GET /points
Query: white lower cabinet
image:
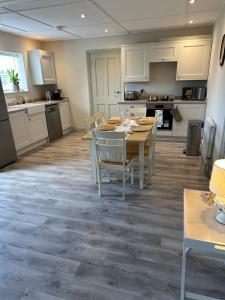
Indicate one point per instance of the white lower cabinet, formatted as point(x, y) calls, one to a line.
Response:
point(28, 130)
point(188, 112)
point(20, 129)
point(126, 106)
point(38, 127)
point(65, 116)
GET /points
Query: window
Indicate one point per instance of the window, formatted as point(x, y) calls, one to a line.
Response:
point(14, 61)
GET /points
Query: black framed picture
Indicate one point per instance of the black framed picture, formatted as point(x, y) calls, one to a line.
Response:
point(222, 51)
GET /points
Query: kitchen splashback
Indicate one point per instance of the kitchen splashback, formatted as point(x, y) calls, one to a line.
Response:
point(163, 81)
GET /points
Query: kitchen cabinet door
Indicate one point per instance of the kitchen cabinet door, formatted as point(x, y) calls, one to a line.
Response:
point(135, 63)
point(164, 52)
point(188, 112)
point(48, 67)
point(65, 115)
point(37, 127)
point(123, 108)
point(194, 60)
point(42, 67)
point(20, 129)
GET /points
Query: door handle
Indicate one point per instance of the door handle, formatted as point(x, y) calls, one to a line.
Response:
point(117, 92)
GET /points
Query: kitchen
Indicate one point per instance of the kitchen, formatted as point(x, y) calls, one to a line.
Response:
point(81, 61)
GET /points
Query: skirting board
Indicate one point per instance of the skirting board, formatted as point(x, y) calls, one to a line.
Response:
point(194, 296)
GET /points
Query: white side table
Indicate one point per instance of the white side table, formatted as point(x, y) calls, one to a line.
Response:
point(201, 231)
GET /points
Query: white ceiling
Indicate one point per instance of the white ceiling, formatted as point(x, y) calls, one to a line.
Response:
point(39, 18)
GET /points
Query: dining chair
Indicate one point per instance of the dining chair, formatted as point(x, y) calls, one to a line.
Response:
point(137, 111)
point(150, 157)
point(149, 150)
point(99, 118)
point(90, 123)
point(110, 153)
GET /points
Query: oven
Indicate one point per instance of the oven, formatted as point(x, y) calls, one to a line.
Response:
point(163, 111)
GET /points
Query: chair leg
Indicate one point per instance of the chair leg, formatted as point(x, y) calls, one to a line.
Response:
point(149, 166)
point(153, 162)
point(99, 182)
point(124, 182)
point(132, 174)
point(109, 175)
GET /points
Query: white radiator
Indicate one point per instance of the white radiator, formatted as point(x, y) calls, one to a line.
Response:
point(207, 144)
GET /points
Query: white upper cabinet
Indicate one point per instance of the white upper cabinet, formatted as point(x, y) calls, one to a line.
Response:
point(193, 60)
point(42, 66)
point(164, 52)
point(135, 63)
point(192, 57)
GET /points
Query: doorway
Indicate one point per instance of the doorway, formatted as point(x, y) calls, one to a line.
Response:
point(105, 81)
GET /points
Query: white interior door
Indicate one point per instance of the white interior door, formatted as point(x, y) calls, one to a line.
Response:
point(105, 82)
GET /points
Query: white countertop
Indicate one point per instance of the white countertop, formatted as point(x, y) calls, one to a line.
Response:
point(35, 104)
point(176, 101)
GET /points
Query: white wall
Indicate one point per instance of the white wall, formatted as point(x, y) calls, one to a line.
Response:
point(216, 84)
point(18, 44)
point(71, 63)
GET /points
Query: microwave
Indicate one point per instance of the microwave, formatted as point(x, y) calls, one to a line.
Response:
point(130, 95)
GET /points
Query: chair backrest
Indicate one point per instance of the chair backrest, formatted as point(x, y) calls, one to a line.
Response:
point(152, 137)
point(99, 118)
point(110, 146)
point(90, 123)
point(139, 111)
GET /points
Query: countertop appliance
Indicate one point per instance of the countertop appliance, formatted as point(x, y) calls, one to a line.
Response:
point(194, 93)
point(53, 122)
point(163, 111)
point(200, 93)
point(7, 145)
point(56, 94)
point(130, 95)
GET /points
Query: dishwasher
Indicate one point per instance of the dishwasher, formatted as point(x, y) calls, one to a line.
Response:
point(53, 122)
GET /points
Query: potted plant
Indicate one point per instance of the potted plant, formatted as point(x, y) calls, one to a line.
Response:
point(14, 79)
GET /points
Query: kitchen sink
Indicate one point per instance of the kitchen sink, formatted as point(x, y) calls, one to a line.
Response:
point(32, 108)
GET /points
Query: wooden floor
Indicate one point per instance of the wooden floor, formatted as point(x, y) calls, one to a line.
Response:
point(59, 240)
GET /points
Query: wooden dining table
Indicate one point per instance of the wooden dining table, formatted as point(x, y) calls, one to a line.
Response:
point(139, 138)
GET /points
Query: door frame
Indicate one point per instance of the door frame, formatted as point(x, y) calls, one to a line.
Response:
point(88, 53)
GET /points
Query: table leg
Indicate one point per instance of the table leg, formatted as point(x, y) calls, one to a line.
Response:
point(93, 161)
point(183, 275)
point(141, 164)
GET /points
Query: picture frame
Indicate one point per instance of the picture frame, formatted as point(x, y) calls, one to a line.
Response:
point(222, 51)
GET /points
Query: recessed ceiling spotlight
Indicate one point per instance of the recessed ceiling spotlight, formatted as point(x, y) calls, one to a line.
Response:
point(191, 22)
point(192, 1)
point(59, 27)
point(82, 16)
point(106, 30)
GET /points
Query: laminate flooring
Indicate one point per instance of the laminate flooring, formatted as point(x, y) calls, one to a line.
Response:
point(59, 240)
